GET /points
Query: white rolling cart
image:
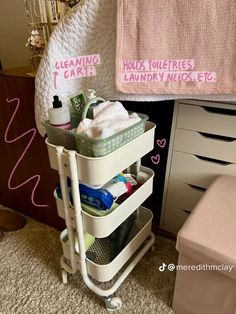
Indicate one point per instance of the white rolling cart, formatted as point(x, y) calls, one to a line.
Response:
point(98, 171)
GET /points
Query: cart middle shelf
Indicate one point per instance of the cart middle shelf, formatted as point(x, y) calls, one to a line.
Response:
point(101, 227)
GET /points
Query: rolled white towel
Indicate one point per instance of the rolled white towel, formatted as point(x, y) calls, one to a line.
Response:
point(84, 125)
point(109, 118)
point(134, 115)
point(92, 132)
point(97, 132)
point(110, 111)
point(123, 124)
point(102, 124)
point(105, 132)
point(100, 107)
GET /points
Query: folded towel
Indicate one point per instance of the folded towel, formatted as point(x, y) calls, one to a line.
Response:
point(176, 47)
point(109, 118)
point(120, 125)
point(99, 132)
point(109, 111)
point(84, 125)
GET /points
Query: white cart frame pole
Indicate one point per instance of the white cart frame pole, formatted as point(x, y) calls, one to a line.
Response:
point(79, 228)
point(66, 204)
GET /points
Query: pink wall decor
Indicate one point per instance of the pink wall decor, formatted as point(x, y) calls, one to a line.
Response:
point(81, 66)
point(161, 143)
point(35, 178)
point(164, 71)
point(156, 159)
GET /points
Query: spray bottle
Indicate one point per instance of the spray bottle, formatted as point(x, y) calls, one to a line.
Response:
point(59, 116)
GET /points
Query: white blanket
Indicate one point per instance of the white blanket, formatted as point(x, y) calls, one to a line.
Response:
point(90, 28)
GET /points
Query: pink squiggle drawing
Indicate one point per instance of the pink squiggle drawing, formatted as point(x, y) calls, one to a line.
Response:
point(35, 177)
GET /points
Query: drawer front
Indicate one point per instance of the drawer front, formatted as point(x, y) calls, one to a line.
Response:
point(173, 219)
point(200, 119)
point(193, 170)
point(205, 145)
point(183, 195)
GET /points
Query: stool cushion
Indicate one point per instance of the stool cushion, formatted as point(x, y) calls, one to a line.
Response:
point(209, 234)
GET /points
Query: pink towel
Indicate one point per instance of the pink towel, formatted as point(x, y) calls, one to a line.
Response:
point(176, 46)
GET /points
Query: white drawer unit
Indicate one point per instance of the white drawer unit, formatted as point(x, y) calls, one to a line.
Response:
point(206, 145)
point(173, 218)
point(202, 147)
point(217, 119)
point(183, 195)
point(198, 170)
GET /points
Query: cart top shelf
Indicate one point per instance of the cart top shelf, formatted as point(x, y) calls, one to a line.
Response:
point(99, 170)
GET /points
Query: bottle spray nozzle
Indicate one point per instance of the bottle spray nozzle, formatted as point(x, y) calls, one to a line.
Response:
point(91, 94)
point(56, 102)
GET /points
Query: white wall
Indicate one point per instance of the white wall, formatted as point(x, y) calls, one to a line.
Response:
point(13, 34)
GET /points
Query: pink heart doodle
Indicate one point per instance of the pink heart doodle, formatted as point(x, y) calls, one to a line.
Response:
point(156, 159)
point(161, 143)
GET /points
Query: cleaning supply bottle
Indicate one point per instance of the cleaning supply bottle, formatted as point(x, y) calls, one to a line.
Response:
point(59, 116)
point(92, 101)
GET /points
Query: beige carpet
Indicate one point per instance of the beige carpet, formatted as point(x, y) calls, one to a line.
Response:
point(30, 279)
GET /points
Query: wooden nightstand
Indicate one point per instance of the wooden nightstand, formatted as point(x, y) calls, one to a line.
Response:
point(26, 176)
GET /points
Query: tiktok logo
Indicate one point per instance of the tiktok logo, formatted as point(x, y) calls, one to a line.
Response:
point(162, 267)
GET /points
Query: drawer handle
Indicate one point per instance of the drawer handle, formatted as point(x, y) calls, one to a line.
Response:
point(217, 137)
point(217, 161)
point(229, 112)
point(197, 187)
point(186, 211)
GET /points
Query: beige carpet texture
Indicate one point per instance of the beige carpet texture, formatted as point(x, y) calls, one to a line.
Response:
point(30, 280)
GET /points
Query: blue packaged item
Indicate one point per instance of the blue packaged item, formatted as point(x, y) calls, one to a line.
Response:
point(98, 198)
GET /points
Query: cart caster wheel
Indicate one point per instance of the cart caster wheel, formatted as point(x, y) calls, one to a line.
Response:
point(64, 276)
point(113, 303)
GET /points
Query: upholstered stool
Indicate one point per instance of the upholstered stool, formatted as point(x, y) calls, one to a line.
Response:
point(208, 238)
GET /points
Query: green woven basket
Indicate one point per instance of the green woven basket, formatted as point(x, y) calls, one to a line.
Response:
point(101, 147)
point(94, 147)
point(60, 137)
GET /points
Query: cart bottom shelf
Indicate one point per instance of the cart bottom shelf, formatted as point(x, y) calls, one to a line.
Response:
point(101, 268)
